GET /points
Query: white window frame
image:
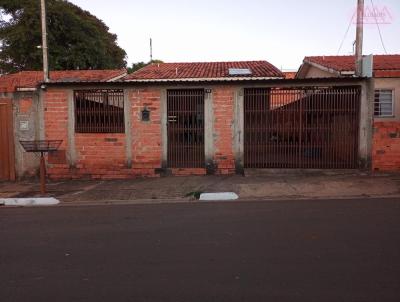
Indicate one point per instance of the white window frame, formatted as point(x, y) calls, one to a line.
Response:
point(393, 98)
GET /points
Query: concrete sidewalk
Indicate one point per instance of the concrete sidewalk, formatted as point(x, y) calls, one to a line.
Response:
point(181, 189)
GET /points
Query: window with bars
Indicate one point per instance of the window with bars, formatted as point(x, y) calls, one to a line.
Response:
point(99, 111)
point(383, 105)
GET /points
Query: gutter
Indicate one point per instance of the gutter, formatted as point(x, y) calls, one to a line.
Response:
point(223, 79)
point(280, 81)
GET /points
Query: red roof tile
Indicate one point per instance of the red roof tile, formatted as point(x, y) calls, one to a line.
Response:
point(207, 70)
point(384, 65)
point(290, 74)
point(30, 79)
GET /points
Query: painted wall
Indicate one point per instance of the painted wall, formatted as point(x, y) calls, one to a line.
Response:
point(314, 72)
point(26, 126)
point(390, 83)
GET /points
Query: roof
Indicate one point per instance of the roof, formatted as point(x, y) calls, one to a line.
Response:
point(204, 71)
point(31, 79)
point(289, 74)
point(384, 65)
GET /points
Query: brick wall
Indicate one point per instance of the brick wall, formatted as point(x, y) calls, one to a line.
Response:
point(103, 155)
point(146, 135)
point(56, 123)
point(98, 155)
point(223, 104)
point(386, 146)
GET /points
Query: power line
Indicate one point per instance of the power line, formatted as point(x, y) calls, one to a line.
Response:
point(345, 35)
point(379, 29)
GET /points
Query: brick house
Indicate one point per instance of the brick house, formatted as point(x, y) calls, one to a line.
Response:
point(386, 74)
point(200, 118)
point(21, 114)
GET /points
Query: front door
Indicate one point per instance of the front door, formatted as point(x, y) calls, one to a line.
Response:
point(6, 146)
point(185, 113)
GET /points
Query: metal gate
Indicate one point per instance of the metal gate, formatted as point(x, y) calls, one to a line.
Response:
point(311, 128)
point(6, 142)
point(185, 112)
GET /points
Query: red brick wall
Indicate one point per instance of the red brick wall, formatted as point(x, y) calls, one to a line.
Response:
point(101, 155)
point(146, 136)
point(98, 155)
point(223, 104)
point(56, 123)
point(386, 146)
point(104, 155)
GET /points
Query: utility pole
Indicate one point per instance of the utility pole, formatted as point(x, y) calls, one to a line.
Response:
point(44, 41)
point(359, 36)
point(151, 50)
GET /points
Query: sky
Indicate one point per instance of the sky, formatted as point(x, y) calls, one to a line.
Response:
point(279, 31)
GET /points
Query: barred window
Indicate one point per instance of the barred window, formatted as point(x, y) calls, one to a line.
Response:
point(383, 105)
point(99, 111)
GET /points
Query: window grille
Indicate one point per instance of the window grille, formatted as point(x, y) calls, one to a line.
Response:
point(99, 111)
point(383, 105)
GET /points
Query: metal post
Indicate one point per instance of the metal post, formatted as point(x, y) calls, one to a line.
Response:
point(151, 50)
point(42, 174)
point(359, 36)
point(44, 42)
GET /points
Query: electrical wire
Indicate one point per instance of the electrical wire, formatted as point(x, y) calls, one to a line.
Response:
point(345, 35)
point(379, 29)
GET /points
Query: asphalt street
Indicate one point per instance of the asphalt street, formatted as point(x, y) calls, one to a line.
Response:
point(317, 250)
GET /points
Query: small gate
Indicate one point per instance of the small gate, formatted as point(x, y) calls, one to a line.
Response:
point(185, 113)
point(6, 142)
point(311, 128)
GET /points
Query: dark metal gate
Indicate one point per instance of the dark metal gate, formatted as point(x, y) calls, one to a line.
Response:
point(185, 112)
point(311, 128)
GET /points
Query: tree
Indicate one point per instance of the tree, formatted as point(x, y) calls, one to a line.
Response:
point(139, 65)
point(76, 39)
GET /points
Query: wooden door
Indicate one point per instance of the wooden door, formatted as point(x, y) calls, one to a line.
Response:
point(7, 171)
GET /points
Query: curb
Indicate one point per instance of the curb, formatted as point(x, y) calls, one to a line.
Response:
point(195, 201)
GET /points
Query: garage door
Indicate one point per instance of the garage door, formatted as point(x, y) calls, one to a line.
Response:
point(6, 145)
point(301, 128)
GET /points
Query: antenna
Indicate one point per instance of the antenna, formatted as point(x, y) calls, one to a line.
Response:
point(151, 50)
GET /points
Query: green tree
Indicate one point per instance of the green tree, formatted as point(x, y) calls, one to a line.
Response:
point(76, 38)
point(136, 66)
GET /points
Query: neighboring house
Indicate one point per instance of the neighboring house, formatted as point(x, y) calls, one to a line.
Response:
point(200, 118)
point(290, 74)
point(21, 114)
point(386, 74)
